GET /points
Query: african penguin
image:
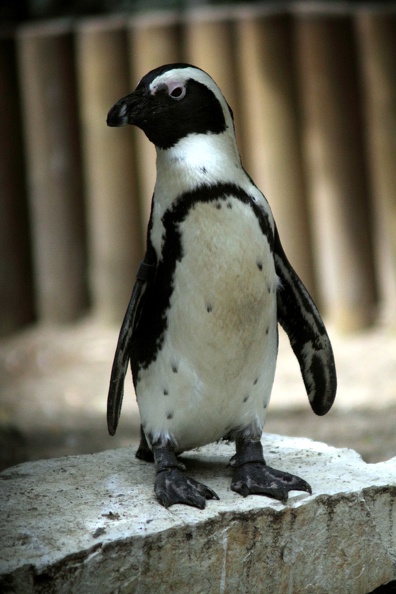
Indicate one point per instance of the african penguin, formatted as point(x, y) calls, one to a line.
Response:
point(201, 328)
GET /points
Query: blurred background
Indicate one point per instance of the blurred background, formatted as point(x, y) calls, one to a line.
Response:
point(313, 90)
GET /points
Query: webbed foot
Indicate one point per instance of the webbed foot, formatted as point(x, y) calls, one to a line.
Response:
point(173, 486)
point(253, 477)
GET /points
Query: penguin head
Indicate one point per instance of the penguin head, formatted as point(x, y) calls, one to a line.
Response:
point(172, 102)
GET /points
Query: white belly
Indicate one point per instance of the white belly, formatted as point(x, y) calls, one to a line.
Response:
point(216, 367)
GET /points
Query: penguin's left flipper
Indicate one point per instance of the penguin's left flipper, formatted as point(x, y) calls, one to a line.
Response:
point(300, 318)
point(122, 353)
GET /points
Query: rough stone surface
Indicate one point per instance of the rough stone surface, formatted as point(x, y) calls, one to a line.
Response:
point(91, 523)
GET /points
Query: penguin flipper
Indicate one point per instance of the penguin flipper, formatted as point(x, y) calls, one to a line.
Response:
point(300, 318)
point(121, 356)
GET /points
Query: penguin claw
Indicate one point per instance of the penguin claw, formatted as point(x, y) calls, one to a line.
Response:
point(256, 478)
point(173, 486)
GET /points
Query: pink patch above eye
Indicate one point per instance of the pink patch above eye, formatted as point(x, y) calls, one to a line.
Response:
point(176, 89)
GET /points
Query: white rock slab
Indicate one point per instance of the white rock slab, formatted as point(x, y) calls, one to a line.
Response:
point(91, 524)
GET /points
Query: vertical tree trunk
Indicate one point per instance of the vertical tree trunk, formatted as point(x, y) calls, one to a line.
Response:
point(336, 167)
point(113, 215)
point(377, 40)
point(16, 290)
point(46, 63)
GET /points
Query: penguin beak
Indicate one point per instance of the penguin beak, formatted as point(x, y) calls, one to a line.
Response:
point(128, 110)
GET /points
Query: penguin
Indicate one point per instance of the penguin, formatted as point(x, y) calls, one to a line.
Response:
point(201, 328)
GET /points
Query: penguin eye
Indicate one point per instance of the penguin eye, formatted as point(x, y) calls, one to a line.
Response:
point(177, 92)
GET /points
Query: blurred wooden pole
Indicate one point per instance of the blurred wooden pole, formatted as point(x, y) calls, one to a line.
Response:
point(154, 41)
point(336, 167)
point(16, 291)
point(47, 81)
point(271, 121)
point(115, 247)
point(209, 43)
point(376, 29)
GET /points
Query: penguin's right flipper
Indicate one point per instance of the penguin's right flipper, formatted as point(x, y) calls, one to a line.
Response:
point(121, 356)
point(300, 318)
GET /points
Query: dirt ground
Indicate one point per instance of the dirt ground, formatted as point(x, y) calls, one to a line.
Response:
point(53, 389)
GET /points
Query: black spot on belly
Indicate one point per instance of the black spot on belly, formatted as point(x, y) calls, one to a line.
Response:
point(203, 170)
point(218, 205)
point(229, 205)
point(269, 289)
point(166, 393)
point(209, 307)
point(174, 368)
point(246, 398)
point(267, 330)
point(169, 415)
point(259, 264)
point(265, 404)
point(178, 159)
point(255, 381)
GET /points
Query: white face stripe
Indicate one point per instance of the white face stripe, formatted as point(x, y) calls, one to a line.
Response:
point(182, 75)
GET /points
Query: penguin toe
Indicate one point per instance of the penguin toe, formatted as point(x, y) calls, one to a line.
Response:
point(173, 486)
point(256, 478)
point(290, 482)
